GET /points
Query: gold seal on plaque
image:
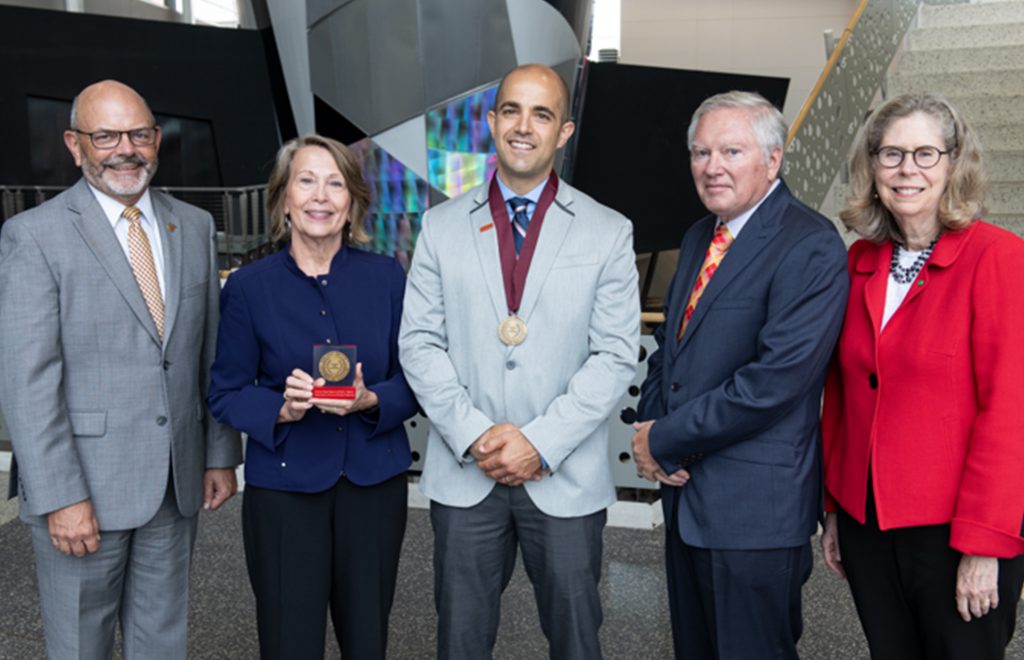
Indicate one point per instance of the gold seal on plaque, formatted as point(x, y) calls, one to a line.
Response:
point(512, 330)
point(334, 366)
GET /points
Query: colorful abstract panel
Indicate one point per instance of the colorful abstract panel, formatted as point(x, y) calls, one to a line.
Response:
point(398, 200)
point(460, 152)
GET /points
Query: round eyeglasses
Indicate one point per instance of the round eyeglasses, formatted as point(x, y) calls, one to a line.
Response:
point(140, 137)
point(924, 157)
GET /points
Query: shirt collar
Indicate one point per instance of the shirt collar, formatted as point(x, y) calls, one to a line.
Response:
point(113, 209)
point(736, 225)
point(507, 193)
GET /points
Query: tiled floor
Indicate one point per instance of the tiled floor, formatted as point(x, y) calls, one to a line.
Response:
point(222, 619)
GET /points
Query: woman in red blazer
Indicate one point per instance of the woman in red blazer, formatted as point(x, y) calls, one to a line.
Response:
point(923, 423)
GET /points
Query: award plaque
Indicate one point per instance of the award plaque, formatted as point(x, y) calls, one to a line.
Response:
point(337, 366)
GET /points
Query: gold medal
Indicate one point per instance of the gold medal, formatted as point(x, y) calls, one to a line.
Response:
point(334, 366)
point(512, 330)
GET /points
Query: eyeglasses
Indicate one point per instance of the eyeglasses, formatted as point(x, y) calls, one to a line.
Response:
point(140, 137)
point(924, 157)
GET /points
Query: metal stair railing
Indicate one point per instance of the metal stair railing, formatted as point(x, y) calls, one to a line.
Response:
point(820, 137)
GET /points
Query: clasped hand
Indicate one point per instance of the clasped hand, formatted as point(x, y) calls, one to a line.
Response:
point(648, 468)
point(298, 397)
point(507, 456)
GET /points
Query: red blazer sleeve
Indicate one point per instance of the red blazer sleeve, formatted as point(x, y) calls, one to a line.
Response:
point(990, 502)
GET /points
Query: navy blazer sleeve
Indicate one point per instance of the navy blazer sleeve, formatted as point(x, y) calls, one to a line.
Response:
point(397, 402)
point(652, 399)
point(236, 396)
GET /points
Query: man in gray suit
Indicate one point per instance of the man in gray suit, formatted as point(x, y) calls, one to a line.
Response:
point(108, 318)
point(519, 334)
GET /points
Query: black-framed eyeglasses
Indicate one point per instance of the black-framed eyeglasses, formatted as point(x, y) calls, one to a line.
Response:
point(140, 137)
point(924, 157)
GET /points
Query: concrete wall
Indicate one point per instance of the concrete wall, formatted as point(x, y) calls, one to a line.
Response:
point(765, 37)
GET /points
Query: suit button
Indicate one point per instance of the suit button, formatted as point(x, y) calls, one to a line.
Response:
point(161, 421)
point(510, 365)
point(873, 381)
point(323, 282)
point(675, 387)
point(167, 365)
point(323, 312)
point(339, 429)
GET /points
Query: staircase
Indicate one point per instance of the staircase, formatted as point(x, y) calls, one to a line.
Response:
point(974, 55)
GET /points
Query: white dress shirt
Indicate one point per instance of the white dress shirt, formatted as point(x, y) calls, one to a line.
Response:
point(113, 210)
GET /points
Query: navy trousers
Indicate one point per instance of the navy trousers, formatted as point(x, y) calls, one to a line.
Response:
point(735, 604)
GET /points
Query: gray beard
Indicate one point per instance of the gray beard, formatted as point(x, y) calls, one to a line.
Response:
point(97, 177)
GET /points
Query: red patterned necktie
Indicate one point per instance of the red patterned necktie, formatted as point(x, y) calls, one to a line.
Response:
point(720, 243)
point(140, 255)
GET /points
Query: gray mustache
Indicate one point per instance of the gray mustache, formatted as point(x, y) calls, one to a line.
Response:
point(121, 160)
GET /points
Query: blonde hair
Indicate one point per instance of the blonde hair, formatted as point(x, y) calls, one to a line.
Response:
point(348, 165)
point(963, 199)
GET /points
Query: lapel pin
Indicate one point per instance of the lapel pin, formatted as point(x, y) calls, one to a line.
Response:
point(489, 225)
point(171, 227)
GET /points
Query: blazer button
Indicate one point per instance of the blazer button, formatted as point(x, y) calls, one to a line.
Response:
point(510, 365)
point(161, 421)
point(167, 365)
point(873, 381)
point(675, 387)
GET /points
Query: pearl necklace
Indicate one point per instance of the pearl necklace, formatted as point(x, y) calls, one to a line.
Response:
point(906, 275)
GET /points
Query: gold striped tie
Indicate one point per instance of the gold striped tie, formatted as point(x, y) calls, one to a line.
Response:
point(141, 257)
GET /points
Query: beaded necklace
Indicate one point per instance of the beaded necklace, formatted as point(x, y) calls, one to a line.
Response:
point(906, 275)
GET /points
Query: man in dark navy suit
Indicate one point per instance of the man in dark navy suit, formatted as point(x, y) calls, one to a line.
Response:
point(733, 393)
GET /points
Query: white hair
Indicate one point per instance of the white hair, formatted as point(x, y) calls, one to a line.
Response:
point(766, 120)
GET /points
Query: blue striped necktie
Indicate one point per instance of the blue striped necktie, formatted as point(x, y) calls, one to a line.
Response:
point(520, 221)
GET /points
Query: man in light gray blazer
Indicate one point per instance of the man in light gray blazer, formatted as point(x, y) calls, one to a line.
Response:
point(108, 322)
point(518, 379)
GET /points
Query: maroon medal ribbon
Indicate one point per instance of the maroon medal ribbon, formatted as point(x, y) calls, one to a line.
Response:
point(513, 269)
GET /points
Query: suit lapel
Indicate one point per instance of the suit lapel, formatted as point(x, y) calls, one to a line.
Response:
point(89, 221)
point(759, 230)
point(875, 263)
point(691, 258)
point(553, 231)
point(486, 243)
point(172, 248)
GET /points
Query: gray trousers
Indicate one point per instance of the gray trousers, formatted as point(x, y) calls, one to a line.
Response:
point(138, 575)
point(475, 554)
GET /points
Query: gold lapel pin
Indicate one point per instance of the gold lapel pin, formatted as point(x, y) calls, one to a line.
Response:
point(171, 227)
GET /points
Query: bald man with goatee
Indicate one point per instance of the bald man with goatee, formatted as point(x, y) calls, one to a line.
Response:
point(108, 318)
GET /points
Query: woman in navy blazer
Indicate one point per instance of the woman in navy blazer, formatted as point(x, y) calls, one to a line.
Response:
point(324, 508)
